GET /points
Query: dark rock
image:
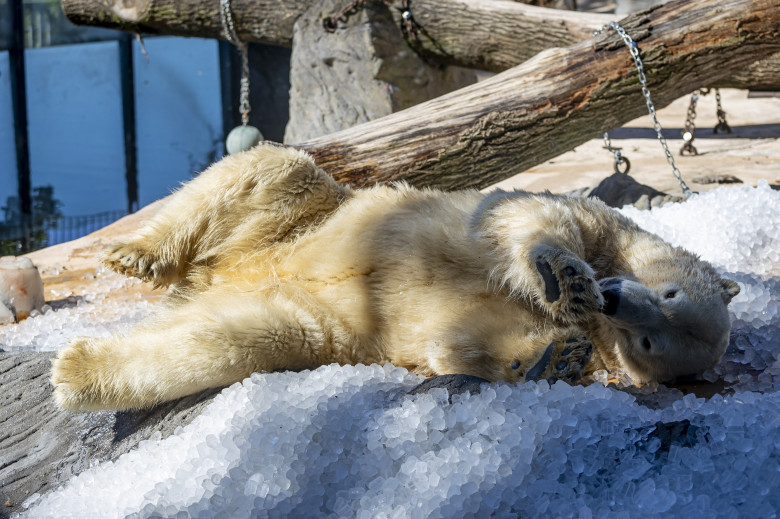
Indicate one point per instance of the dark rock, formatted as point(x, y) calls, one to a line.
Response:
point(619, 189)
point(454, 384)
point(717, 179)
point(680, 433)
point(42, 446)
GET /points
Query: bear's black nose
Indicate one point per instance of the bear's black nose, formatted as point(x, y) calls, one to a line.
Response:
point(610, 290)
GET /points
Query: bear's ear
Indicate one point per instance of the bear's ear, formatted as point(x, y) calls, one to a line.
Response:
point(730, 289)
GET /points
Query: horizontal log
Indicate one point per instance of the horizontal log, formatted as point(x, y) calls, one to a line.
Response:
point(507, 32)
point(491, 35)
point(761, 75)
point(556, 101)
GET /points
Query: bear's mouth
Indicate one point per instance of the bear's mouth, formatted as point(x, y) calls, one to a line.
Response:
point(610, 291)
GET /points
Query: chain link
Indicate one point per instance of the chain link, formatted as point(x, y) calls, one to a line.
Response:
point(722, 125)
point(690, 127)
point(231, 35)
point(619, 158)
point(634, 50)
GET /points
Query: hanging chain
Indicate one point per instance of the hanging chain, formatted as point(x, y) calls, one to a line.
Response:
point(412, 31)
point(619, 158)
point(231, 35)
point(690, 127)
point(331, 23)
point(722, 125)
point(634, 50)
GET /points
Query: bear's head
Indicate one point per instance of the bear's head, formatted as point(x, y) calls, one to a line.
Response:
point(669, 318)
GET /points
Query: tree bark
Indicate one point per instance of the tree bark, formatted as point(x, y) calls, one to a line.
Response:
point(42, 446)
point(507, 32)
point(761, 75)
point(554, 102)
point(491, 35)
point(363, 72)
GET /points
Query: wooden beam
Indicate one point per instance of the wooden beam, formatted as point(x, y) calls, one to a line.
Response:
point(554, 102)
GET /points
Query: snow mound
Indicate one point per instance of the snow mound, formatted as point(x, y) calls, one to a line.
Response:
point(348, 441)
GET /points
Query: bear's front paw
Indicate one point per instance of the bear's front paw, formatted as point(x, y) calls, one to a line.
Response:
point(562, 360)
point(74, 375)
point(132, 259)
point(570, 291)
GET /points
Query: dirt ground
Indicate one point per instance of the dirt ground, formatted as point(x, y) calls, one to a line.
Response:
point(751, 152)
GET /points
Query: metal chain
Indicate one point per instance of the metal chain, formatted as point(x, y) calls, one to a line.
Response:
point(330, 23)
point(619, 158)
point(634, 50)
point(230, 33)
point(690, 127)
point(409, 27)
point(722, 125)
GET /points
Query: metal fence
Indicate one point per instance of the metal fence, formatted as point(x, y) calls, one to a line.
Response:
point(54, 231)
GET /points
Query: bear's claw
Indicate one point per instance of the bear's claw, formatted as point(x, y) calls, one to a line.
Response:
point(562, 360)
point(569, 287)
point(131, 259)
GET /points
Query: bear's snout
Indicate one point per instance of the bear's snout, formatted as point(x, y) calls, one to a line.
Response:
point(610, 290)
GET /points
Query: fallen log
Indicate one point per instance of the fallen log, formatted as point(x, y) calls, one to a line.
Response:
point(491, 35)
point(761, 75)
point(42, 446)
point(508, 32)
point(552, 103)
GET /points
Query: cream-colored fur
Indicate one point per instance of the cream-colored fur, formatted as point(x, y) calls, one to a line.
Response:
point(274, 266)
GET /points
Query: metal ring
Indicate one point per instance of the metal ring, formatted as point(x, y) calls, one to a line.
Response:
point(623, 160)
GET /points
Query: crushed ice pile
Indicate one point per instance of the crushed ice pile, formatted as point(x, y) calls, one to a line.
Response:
point(349, 442)
point(87, 314)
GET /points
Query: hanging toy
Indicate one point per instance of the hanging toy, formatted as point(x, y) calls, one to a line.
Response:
point(244, 137)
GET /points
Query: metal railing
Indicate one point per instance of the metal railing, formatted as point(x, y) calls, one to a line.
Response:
point(54, 231)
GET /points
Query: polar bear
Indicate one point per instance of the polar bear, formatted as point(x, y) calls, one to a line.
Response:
point(272, 265)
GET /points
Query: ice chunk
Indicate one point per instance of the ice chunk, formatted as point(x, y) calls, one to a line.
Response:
point(21, 288)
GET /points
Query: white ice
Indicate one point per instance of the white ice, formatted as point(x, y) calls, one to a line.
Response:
point(346, 441)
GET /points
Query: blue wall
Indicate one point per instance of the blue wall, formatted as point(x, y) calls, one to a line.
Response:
point(179, 121)
point(74, 107)
point(76, 129)
point(8, 179)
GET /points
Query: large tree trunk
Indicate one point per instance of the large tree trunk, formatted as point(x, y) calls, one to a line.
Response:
point(484, 34)
point(42, 446)
point(563, 97)
point(761, 75)
point(363, 72)
point(489, 35)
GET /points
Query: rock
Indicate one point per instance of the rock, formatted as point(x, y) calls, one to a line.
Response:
point(717, 179)
point(42, 446)
point(454, 384)
point(362, 71)
point(619, 189)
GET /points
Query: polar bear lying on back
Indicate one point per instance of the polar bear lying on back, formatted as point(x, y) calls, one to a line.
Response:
point(274, 266)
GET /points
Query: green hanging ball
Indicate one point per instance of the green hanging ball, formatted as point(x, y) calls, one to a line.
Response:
point(242, 138)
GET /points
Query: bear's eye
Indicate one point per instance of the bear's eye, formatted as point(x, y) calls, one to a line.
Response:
point(646, 344)
point(670, 294)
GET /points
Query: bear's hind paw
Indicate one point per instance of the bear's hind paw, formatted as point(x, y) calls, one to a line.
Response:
point(562, 360)
point(73, 375)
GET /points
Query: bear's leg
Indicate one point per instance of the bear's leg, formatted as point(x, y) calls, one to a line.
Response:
point(567, 286)
point(562, 360)
point(199, 345)
point(253, 198)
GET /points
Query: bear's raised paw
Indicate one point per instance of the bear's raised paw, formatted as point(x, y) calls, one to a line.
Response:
point(569, 289)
